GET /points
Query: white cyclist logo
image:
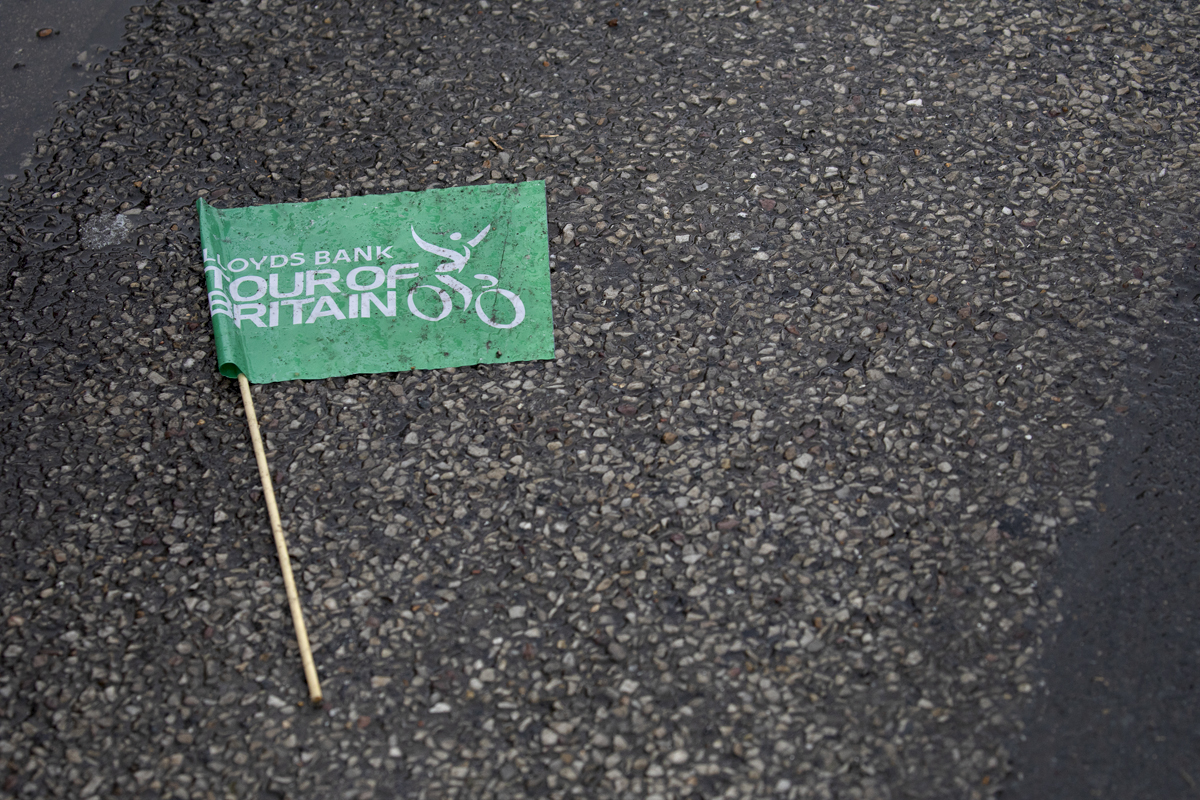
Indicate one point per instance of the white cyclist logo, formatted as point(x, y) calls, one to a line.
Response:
point(455, 264)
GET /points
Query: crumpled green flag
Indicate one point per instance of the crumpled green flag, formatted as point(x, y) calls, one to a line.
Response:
point(425, 280)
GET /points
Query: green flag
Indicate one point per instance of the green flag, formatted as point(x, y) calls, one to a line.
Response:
point(441, 278)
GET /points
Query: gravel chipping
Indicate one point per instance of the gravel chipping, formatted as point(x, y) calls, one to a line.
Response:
point(843, 294)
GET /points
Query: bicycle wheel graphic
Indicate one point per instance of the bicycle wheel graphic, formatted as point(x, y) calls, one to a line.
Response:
point(517, 305)
point(447, 303)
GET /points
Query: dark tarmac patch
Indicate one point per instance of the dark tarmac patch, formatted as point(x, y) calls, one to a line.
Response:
point(1118, 708)
point(42, 65)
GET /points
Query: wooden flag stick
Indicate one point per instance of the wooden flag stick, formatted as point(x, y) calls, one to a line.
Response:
point(285, 563)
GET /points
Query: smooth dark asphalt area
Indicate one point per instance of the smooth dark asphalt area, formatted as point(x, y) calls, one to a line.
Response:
point(1117, 714)
point(38, 71)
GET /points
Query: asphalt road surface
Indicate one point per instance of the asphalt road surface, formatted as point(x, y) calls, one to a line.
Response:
point(863, 470)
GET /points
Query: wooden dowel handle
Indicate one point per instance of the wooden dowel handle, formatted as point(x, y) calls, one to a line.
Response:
point(285, 563)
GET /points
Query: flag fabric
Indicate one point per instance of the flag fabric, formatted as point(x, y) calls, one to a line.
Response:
point(383, 283)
